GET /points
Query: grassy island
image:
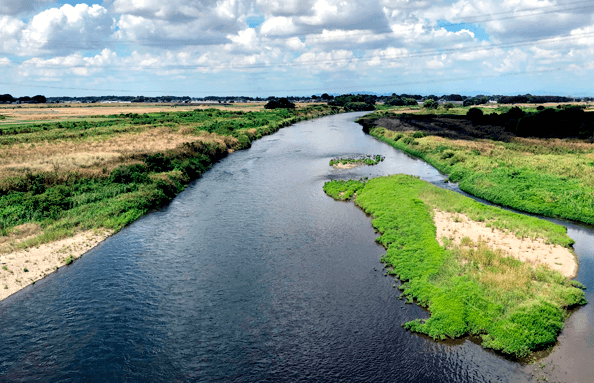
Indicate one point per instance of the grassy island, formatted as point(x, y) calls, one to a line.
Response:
point(470, 285)
point(69, 182)
point(356, 161)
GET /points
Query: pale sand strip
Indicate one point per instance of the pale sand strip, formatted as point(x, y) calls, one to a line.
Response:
point(43, 260)
point(455, 226)
point(349, 165)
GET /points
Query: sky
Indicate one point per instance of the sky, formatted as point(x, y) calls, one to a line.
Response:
point(261, 48)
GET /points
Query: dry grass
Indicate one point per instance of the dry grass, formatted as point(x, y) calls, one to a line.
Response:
point(492, 267)
point(97, 155)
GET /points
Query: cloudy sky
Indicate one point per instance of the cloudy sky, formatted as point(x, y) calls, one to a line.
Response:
point(296, 47)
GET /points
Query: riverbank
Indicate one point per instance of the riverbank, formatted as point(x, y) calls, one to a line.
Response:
point(470, 287)
point(551, 177)
point(65, 185)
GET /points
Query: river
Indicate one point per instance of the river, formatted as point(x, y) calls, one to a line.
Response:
point(253, 274)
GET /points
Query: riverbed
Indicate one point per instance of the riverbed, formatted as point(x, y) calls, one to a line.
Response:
point(253, 273)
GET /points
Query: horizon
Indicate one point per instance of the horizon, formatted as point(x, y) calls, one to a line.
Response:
point(261, 48)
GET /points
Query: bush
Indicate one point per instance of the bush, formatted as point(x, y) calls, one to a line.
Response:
point(474, 114)
point(125, 174)
point(430, 104)
point(281, 103)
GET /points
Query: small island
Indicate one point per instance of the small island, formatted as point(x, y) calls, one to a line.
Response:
point(480, 270)
point(352, 162)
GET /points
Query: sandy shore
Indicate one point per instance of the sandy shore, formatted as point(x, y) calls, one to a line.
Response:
point(454, 227)
point(43, 260)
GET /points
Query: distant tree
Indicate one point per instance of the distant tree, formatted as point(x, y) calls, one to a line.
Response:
point(432, 97)
point(448, 105)
point(475, 114)
point(39, 99)
point(281, 103)
point(430, 104)
point(327, 97)
point(6, 98)
point(453, 97)
point(314, 97)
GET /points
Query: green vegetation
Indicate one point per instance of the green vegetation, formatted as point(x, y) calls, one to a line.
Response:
point(469, 289)
point(430, 104)
point(367, 160)
point(111, 194)
point(551, 177)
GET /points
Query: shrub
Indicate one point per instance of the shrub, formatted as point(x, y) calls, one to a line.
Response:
point(430, 104)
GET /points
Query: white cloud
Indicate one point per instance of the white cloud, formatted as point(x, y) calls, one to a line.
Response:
point(75, 64)
point(67, 29)
point(10, 31)
point(278, 26)
point(15, 7)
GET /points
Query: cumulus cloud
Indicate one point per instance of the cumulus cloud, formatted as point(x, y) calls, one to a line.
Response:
point(16, 7)
point(515, 18)
point(10, 32)
point(74, 64)
point(67, 29)
point(179, 22)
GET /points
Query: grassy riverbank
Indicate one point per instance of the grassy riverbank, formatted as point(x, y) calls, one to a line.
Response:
point(58, 179)
point(551, 177)
point(470, 289)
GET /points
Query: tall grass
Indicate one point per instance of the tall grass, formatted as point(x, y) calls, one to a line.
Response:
point(470, 289)
point(553, 178)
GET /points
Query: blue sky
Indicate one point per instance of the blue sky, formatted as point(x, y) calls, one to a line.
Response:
point(295, 47)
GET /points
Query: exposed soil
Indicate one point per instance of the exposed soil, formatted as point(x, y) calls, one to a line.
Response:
point(454, 227)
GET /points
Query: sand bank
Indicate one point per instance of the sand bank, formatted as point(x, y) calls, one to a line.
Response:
point(42, 260)
point(455, 226)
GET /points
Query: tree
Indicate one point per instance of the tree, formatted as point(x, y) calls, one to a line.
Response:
point(39, 99)
point(281, 103)
point(474, 114)
point(6, 98)
point(448, 105)
point(430, 104)
point(327, 97)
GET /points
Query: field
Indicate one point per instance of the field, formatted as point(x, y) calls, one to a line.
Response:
point(471, 287)
point(95, 175)
point(549, 176)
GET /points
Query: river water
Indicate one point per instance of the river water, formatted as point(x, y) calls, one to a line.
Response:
point(254, 274)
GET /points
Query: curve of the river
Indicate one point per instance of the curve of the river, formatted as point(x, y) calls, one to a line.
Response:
point(254, 274)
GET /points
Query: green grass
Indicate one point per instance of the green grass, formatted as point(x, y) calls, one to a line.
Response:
point(515, 308)
point(553, 178)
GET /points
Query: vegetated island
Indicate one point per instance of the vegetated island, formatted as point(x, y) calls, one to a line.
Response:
point(68, 183)
point(484, 271)
point(535, 159)
point(351, 162)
